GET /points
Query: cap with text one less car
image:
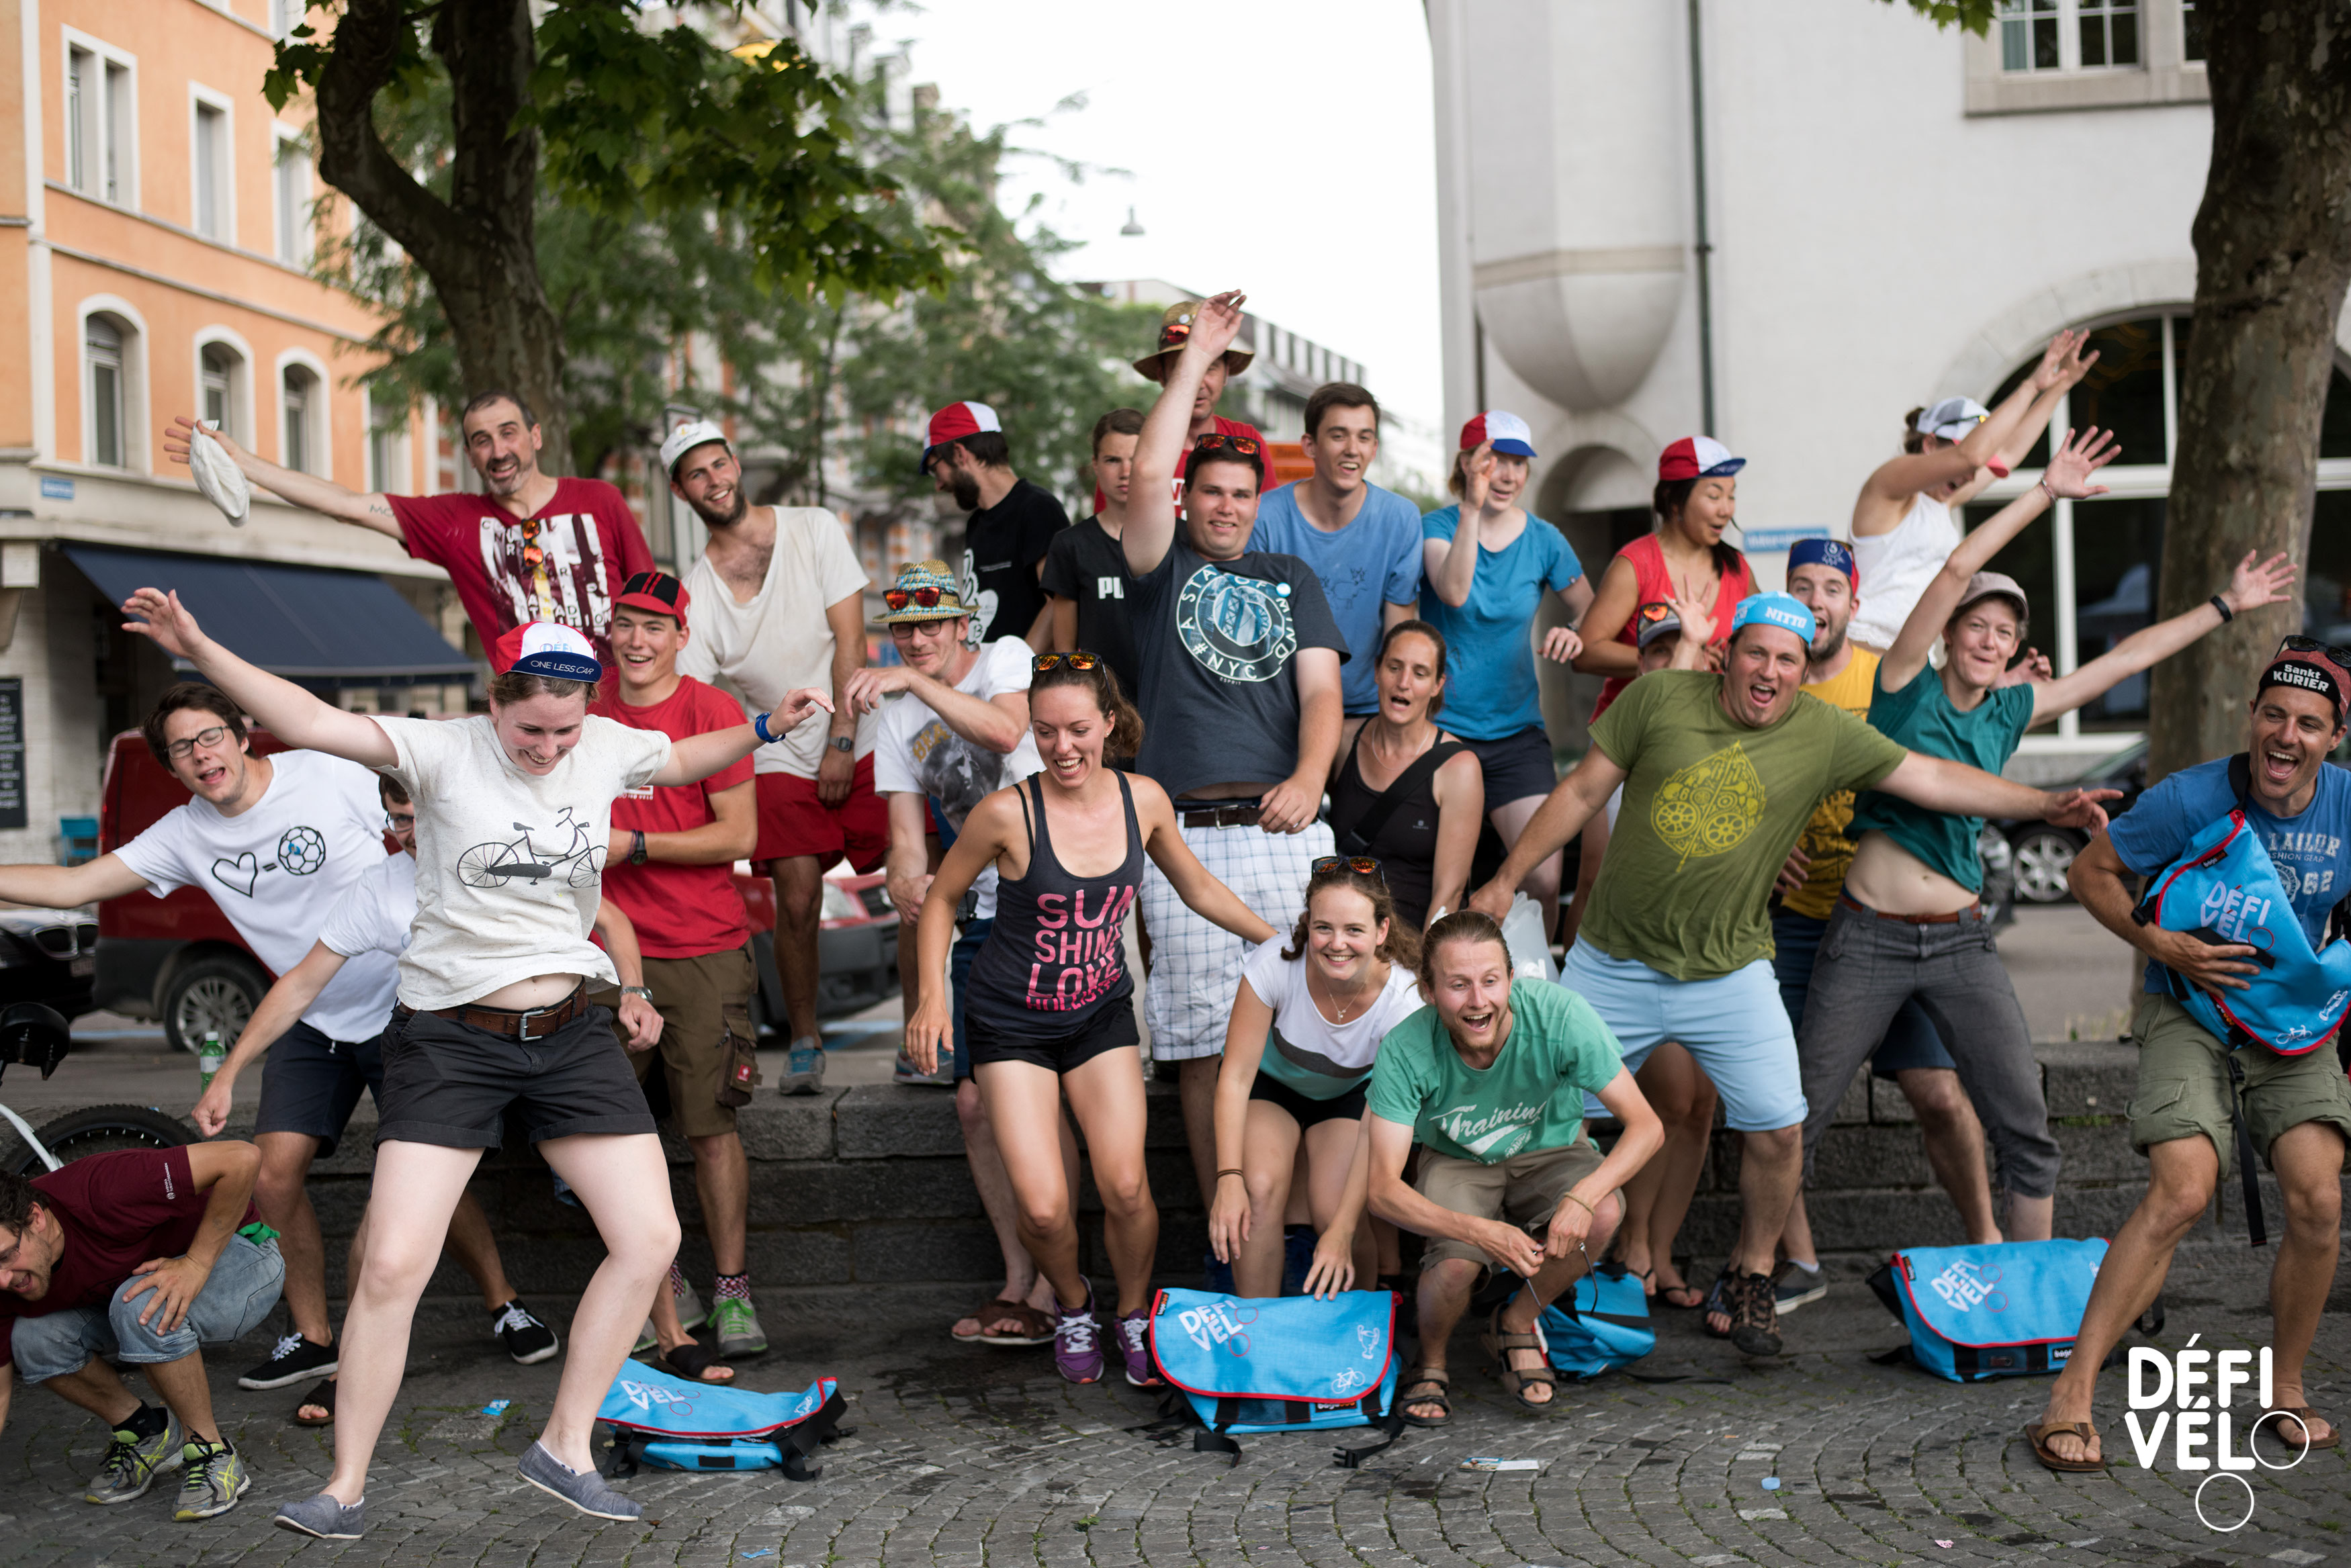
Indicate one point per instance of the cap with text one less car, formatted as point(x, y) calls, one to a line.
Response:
point(549, 649)
point(953, 423)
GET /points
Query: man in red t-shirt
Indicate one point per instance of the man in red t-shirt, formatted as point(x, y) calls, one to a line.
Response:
point(671, 870)
point(143, 1257)
point(532, 548)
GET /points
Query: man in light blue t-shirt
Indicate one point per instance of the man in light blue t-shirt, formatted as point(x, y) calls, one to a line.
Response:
point(1363, 542)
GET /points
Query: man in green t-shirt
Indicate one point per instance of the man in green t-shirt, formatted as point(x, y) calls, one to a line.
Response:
point(1720, 773)
point(1490, 1079)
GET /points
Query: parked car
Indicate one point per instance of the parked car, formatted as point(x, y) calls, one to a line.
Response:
point(47, 956)
point(2043, 852)
point(178, 960)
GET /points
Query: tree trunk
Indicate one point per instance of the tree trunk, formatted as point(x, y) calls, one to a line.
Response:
point(2273, 256)
point(480, 246)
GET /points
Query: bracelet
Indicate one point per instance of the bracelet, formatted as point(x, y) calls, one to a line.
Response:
point(2045, 489)
point(759, 728)
point(2227, 615)
point(1222, 1174)
point(1579, 1203)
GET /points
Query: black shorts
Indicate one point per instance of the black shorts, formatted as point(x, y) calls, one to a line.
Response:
point(310, 1084)
point(1112, 1026)
point(450, 1083)
point(1304, 1109)
point(1517, 766)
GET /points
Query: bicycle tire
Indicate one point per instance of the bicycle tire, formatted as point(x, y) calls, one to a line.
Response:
point(102, 1129)
point(474, 866)
point(587, 870)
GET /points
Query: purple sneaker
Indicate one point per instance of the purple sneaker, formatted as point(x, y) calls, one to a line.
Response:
point(1077, 1341)
point(1134, 1339)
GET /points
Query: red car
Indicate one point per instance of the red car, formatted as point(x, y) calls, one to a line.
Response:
point(179, 960)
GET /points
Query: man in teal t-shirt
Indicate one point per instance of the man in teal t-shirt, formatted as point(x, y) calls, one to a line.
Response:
point(1490, 1078)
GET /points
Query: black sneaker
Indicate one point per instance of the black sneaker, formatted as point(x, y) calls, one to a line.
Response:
point(527, 1339)
point(293, 1360)
point(1754, 1313)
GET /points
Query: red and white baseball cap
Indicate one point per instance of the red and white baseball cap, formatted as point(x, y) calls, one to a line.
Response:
point(549, 649)
point(1507, 432)
point(1696, 457)
point(954, 423)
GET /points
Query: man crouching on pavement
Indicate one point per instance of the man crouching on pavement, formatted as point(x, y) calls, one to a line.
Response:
point(141, 1257)
point(1490, 1080)
point(2296, 1109)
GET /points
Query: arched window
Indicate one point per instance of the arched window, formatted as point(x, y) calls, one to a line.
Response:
point(102, 352)
point(217, 369)
point(2093, 567)
point(300, 415)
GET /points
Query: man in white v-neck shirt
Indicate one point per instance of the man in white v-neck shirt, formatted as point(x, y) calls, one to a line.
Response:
point(779, 604)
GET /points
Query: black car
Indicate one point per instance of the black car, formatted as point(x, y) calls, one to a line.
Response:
point(2041, 854)
point(47, 956)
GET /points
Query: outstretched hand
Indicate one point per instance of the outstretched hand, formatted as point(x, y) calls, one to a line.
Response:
point(1216, 322)
point(796, 707)
point(2250, 587)
point(184, 430)
point(2077, 458)
point(158, 616)
point(2063, 363)
point(2079, 808)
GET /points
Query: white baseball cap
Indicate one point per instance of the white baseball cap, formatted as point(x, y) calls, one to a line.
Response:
point(1952, 418)
point(687, 435)
point(546, 647)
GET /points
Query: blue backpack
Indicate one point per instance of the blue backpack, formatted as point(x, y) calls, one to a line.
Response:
point(1613, 1332)
point(672, 1424)
point(2225, 888)
point(1998, 1311)
point(1290, 1365)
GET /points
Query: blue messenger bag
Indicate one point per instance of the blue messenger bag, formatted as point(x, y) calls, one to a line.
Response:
point(1292, 1365)
point(2003, 1310)
point(1586, 1338)
point(671, 1423)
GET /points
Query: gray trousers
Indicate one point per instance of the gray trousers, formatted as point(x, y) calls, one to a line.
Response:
point(1867, 969)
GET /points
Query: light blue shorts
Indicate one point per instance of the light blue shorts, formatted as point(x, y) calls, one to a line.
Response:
point(1734, 1026)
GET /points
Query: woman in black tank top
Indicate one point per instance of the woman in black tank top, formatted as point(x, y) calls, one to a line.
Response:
point(1422, 823)
point(1047, 1006)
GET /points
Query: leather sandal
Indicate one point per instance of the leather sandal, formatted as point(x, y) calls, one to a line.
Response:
point(2334, 1433)
point(691, 1360)
point(1433, 1378)
point(1499, 1342)
point(2039, 1435)
point(321, 1395)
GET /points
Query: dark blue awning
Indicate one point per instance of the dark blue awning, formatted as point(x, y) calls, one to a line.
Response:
point(306, 623)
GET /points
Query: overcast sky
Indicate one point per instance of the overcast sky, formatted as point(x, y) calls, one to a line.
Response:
point(1319, 114)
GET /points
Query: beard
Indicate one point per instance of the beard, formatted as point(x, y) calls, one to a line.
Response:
point(733, 513)
point(965, 489)
point(1819, 655)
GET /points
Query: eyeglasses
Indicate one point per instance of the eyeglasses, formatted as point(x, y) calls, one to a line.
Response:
point(925, 598)
point(207, 739)
point(1246, 445)
point(1363, 865)
point(2334, 653)
point(1080, 660)
point(534, 554)
point(400, 821)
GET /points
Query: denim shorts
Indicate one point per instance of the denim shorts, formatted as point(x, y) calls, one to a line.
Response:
point(1733, 1024)
point(241, 1293)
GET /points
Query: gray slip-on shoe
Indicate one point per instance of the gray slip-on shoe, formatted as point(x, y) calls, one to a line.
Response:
point(583, 1489)
point(323, 1517)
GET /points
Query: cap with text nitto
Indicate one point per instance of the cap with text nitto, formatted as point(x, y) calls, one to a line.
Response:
point(954, 423)
point(549, 649)
point(1783, 610)
point(1504, 432)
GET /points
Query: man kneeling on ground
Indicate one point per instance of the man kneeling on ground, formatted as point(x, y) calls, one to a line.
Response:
point(1490, 1080)
point(143, 1257)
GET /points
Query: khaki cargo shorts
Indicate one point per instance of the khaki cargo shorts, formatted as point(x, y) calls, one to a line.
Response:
point(1522, 1189)
point(708, 1049)
point(2183, 1087)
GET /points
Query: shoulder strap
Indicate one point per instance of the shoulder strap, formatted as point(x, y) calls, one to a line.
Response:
point(1366, 831)
point(2241, 779)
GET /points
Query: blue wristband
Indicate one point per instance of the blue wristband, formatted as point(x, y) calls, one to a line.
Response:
point(759, 728)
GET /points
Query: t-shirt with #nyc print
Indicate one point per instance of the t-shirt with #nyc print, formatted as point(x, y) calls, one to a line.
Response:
point(278, 869)
point(587, 545)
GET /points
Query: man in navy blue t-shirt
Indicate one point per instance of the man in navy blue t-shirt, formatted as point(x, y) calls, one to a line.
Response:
point(2296, 1109)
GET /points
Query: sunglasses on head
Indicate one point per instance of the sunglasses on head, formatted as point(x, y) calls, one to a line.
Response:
point(1174, 332)
point(1246, 445)
point(1362, 865)
point(1079, 660)
point(1655, 612)
point(924, 599)
point(2334, 653)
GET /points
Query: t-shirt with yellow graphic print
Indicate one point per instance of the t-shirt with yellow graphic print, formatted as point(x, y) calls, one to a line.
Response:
point(1711, 809)
point(1826, 841)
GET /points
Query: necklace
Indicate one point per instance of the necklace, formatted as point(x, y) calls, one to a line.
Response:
point(1331, 996)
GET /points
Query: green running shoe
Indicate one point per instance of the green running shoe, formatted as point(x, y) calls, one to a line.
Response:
point(216, 1479)
point(132, 1463)
point(740, 1334)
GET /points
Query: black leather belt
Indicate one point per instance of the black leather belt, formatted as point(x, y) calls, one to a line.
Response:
point(1220, 814)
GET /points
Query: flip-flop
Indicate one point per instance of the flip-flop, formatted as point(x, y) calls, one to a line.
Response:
point(1499, 1342)
point(320, 1394)
point(2334, 1433)
point(2039, 1435)
point(1665, 1293)
point(1032, 1326)
point(1434, 1376)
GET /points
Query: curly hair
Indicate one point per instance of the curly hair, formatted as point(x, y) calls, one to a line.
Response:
point(1401, 946)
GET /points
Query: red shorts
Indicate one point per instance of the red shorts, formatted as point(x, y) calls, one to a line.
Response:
point(794, 822)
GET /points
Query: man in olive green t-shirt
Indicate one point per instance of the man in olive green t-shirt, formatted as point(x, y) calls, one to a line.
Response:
point(1490, 1079)
point(1720, 774)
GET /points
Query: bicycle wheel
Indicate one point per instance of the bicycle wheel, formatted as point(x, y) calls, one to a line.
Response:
point(475, 868)
point(586, 868)
point(102, 1129)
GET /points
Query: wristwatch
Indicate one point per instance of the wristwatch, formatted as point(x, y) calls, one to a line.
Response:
point(644, 992)
point(636, 847)
point(842, 744)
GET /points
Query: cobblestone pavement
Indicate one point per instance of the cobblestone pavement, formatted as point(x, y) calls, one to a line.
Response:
point(980, 1457)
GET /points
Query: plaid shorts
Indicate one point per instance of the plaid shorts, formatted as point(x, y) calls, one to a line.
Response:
point(1195, 966)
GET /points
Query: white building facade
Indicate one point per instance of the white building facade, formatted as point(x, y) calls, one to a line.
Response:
point(1792, 223)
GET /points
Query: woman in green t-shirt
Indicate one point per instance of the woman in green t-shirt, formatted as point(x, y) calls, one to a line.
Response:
point(1909, 924)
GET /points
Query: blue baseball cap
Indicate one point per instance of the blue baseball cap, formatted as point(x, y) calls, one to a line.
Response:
point(1833, 553)
point(1783, 610)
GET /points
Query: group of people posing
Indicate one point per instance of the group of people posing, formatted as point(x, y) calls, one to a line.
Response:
point(1123, 732)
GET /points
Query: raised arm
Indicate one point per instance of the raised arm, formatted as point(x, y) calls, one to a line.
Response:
point(284, 709)
point(1149, 528)
point(67, 886)
point(1450, 566)
point(291, 485)
point(2250, 587)
point(279, 1011)
point(997, 724)
point(2026, 411)
point(696, 757)
point(1957, 790)
point(1560, 817)
point(2067, 476)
